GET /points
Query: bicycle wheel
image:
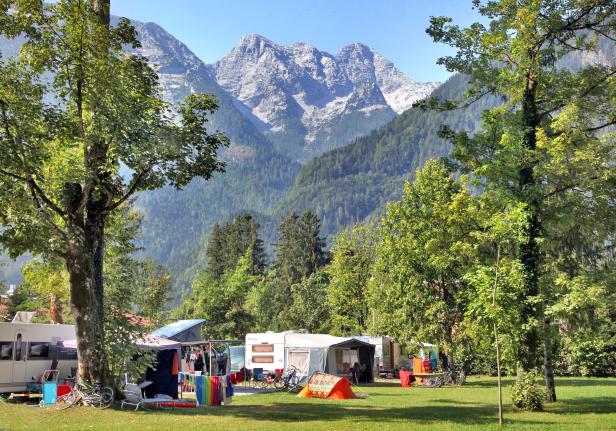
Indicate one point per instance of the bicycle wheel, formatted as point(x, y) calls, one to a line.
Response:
point(107, 397)
point(65, 401)
point(279, 382)
point(293, 383)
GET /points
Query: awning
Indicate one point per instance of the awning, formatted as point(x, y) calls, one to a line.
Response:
point(151, 342)
point(184, 331)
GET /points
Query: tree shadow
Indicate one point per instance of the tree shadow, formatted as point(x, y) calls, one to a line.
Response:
point(596, 405)
point(479, 414)
point(585, 382)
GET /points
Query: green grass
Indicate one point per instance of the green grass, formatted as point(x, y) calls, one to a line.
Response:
point(583, 404)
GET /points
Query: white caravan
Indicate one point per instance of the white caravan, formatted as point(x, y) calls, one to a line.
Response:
point(265, 350)
point(28, 349)
point(309, 353)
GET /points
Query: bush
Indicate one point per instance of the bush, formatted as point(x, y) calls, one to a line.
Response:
point(526, 394)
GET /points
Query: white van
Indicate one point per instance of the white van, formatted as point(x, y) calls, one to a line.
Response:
point(28, 349)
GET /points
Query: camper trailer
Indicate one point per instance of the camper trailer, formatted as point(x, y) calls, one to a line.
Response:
point(28, 349)
point(265, 351)
point(387, 353)
point(309, 353)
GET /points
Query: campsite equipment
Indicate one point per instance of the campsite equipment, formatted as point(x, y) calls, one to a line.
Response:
point(430, 380)
point(133, 397)
point(406, 378)
point(97, 396)
point(309, 353)
point(50, 393)
point(322, 385)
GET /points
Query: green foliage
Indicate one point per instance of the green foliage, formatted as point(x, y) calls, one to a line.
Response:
point(526, 394)
point(124, 291)
point(153, 295)
point(222, 303)
point(300, 252)
point(229, 242)
point(309, 309)
point(260, 301)
point(353, 256)
point(418, 290)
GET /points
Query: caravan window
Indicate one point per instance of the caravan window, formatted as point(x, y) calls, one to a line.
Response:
point(6, 350)
point(263, 348)
point(38, 351)
point(268, 359)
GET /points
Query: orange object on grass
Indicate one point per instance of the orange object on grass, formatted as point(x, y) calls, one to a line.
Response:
point(322, 385)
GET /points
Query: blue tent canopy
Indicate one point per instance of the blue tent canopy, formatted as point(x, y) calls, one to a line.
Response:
point(184, 331)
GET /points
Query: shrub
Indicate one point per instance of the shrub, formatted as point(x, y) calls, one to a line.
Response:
point(526, 394)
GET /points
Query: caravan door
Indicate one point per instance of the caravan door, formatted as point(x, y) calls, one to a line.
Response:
point(19, 355)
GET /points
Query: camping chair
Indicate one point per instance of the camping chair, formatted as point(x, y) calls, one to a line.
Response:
point(132, 396)
point(257, 375)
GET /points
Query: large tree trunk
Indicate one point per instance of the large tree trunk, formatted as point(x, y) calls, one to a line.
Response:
point(548, 367)
point(529, 250)
point(84, 262)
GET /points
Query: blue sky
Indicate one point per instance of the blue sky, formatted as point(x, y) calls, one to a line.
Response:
point(395, 28)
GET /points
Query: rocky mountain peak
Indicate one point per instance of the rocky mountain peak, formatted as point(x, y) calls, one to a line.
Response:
point(309, 101)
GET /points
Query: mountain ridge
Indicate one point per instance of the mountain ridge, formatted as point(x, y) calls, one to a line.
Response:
point(298, 95)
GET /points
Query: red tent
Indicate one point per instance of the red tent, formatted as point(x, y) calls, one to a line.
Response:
point(322, 385)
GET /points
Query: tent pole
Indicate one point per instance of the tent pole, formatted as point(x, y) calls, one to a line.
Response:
point(210, 356)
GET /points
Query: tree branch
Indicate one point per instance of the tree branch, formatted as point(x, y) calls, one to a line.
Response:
point(131, 190)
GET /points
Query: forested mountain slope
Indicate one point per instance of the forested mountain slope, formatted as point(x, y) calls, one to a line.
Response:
point(346, 185)
point(257, 175)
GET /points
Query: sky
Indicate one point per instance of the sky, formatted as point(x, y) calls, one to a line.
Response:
point(395, 28)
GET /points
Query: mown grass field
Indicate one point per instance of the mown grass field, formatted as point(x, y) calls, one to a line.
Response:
point(583, 404)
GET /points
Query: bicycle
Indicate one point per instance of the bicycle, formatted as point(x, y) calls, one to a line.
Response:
point(269, 379)
point(290, 379)
point(96, 396)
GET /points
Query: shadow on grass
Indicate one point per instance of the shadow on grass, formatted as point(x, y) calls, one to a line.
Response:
point(597, 405)
point(478, 414)
point(585, 382)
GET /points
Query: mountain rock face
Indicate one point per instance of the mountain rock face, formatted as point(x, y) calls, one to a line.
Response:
point(309, 101)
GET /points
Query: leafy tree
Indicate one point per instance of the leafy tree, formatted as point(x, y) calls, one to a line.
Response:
point(309, 310)
point(48, 280)
point(350, 271)
point(548, 145)
point(496, 280)
point(154, 293)
point(222, 303)
point(74, 107)
point(419, 291)
point(260, 301)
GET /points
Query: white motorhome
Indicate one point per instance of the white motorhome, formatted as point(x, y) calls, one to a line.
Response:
point(28, 349)
point(387, 352)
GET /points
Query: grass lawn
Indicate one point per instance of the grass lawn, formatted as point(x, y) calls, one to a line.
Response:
point(583, 404)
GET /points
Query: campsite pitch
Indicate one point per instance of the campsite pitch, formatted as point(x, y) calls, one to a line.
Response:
point(583, 404)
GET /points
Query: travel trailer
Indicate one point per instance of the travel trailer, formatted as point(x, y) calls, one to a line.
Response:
point(28, 349)
point(309, 353)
